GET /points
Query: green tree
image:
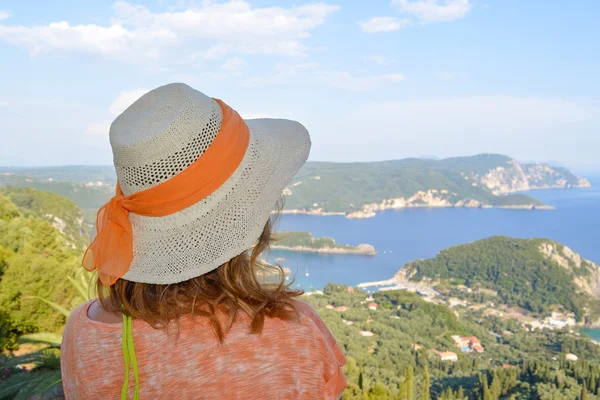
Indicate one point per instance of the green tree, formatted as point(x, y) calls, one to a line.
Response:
point(584, 392)
point(409, 383)
point(496, 388)
point(426, 387)
point(361, 378)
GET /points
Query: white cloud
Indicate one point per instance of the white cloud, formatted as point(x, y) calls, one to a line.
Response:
point(124, 100)
point(430, 11)
point(377, 58)
point(4, 15)
point(448, 76)
point(233, 64)
point(113, 41)
point(3, 103)
point(383, 24)
point(210, 30)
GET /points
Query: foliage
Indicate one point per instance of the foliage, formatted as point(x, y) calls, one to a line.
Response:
point(398, 361)
point(305, 239)
point(35, 258)
point(43, 377)
point(335, 187)
point(59, 211)
point(84, 195)
point(515, 268)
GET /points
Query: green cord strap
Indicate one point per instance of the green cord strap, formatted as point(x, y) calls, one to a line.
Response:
point(129, 358)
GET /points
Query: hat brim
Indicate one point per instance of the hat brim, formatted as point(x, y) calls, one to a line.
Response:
point(204, 236)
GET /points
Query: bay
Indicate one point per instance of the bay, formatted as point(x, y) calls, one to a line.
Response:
point(405, 235)
point(594, 334)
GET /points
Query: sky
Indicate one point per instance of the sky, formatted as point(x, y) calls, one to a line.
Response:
point(371, 80)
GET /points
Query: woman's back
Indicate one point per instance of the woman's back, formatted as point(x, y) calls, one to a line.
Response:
point(181, 244)
point(288, 360)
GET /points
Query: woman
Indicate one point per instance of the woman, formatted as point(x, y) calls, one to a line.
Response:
point(184, 310)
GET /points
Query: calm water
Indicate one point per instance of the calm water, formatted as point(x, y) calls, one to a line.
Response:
point(406, 235)
point(594, 334)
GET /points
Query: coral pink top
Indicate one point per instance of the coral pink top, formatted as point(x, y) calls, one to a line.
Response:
point(289, 360)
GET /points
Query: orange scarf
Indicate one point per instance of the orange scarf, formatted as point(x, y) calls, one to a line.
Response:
point(111, 251)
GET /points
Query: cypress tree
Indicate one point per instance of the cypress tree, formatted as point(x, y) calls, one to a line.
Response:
point(496, 387)
point(584, 392)
point(360, 379)
point(484, 391)
point(425, 395)
point(410, 383)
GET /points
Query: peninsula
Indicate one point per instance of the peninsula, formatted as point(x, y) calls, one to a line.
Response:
point(539, 282)
point(305, 242)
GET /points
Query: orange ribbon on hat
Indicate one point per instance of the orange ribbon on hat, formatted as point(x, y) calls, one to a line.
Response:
point(111, 251)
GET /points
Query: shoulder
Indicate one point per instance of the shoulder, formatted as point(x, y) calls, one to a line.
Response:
point(331, 357)
point(309, 316)
point(70, 339)
point(308, 313)
point(79, 313)
point(76, 318)
point(96, 313)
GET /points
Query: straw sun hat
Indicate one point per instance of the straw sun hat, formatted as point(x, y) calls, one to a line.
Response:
point(162, 134)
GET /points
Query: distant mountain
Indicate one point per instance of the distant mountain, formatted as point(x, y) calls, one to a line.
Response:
point(360, 189)
point(70, 173)
point(90, 194)
point(534, 274)
point(355, 189)
point(62, 213)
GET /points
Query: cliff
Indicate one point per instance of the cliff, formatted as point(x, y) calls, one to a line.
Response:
point(514, 177)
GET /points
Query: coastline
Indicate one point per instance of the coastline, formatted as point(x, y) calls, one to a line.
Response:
point(434, 198)
point(361, 249)
point(361, 214)
point(427, 289)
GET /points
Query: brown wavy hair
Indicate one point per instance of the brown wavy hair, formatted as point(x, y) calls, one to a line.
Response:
point(246, 283)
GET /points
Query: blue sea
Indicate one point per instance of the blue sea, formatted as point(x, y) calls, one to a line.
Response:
point(405, 235)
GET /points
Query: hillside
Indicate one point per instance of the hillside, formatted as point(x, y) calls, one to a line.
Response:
point(360, 189)
point(535, 274)
point(89, 195)
point(71, 173)
point(355, 189)
point(61, 212)
point(406, 348)
point(35, 260)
